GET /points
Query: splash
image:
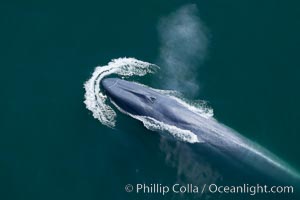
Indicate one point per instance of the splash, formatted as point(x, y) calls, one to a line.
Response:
point(155, 125)
point(96, 100)
point(200, 107)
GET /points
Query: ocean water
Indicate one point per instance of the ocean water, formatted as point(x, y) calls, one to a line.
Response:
point(51, 147)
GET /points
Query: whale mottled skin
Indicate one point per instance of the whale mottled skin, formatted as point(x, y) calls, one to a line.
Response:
point(232, 152)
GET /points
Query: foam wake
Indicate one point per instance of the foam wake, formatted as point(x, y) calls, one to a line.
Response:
point(96, 100)
point(155, 125)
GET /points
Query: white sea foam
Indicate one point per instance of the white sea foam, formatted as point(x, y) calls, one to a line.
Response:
point(155, 125)
point(96, 100)
point(198, 106)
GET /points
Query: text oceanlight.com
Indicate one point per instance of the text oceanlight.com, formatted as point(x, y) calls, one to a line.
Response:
point(207, 188)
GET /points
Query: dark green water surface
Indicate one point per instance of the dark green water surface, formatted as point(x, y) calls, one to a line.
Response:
point(50, 145)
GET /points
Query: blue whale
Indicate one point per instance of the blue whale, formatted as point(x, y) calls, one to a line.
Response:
point(228, 151)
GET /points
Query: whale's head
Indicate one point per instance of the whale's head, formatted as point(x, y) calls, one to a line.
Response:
point(137, 99)
point(131, 97)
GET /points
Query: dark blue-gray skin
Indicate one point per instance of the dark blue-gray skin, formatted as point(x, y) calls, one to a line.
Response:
point(238, 159)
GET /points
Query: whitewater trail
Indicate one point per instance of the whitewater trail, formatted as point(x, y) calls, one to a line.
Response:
point(97, 102)
point(95, 99)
